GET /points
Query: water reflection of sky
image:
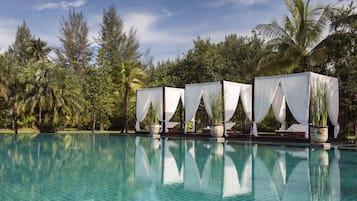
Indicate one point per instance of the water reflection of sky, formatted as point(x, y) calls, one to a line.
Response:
point(86, 167)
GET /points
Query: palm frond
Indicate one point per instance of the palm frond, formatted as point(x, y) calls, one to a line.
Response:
point(272, 30)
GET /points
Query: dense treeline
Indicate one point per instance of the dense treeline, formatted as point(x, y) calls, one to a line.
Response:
point(94, 88)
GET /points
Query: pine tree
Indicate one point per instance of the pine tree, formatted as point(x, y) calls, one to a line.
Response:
point(75, 52)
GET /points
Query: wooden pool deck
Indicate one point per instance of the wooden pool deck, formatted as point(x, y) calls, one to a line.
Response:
point(231, 137)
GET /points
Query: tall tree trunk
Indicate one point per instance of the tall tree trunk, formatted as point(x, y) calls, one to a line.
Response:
point(93, 125)
point(14, 118)
point(101, 122)
point(39, 116)
point(126, 124)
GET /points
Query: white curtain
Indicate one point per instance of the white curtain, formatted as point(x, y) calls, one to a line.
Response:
point(211, 90)
point(297, 93)
point(264, 92)
point(246, 98)
point(172, 98)
point(279, 107)
point(157, 101)
point(193, 94)
point(231, 97)
point(296, 89)
point(145, 98)
point(143, 101)
point(333, 103)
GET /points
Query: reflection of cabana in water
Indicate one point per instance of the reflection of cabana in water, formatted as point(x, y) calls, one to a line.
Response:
point(166, 100)
point(292, 90)
point(277, 185)
point(145, 168)
point(172, 174)
point(226, 183)
point(231, 90)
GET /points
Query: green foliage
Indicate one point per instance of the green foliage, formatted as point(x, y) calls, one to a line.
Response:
point(19, 47)
point(319, 104)
point(341, 61)
point(68, 92)
point(99, 96)
point(153, 115)
point(75, 53)
point(53, 92)
point(293, 46)
point(234, 59)
point(216, 107)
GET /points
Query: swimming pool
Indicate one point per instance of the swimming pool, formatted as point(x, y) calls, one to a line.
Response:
point(103, 167)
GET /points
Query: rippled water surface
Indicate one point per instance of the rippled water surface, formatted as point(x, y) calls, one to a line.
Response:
point(103, 167)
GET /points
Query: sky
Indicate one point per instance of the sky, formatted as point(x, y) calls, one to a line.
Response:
point(166, 27)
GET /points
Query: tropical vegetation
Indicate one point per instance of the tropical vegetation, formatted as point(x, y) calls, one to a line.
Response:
point(83, 87)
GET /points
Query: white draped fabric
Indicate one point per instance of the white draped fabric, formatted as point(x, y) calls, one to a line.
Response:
point(232, 92)
point(264, 92)
point(193, 95)
point(295, 90)
point(172, 98)
point(154, 96)
point(279, 107)
point(246, 98)
point(333, 102)
point(231, 96)
point(145, 98)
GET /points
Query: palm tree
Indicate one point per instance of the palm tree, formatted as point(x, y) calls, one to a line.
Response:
point(52, 91)
point(294, 45)
point(37, 49)
point(132, 77)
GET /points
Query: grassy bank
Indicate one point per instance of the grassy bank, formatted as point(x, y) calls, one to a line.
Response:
point(69, 131)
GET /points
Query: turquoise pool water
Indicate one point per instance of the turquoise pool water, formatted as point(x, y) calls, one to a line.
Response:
point(103, 167)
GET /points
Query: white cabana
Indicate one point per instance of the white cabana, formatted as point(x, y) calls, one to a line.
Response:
point(293, 90)
point(232, 92)
point(166, 100)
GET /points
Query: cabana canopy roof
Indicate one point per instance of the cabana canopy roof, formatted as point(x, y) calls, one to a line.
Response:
point(294, 90)
point(232, 92)
point(155, 96)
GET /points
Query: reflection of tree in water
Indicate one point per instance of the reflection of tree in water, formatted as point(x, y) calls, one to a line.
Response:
point(66, 166)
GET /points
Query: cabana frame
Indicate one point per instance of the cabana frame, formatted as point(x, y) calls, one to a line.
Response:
point(230, 92)
point(166, 98)
point(294, 91)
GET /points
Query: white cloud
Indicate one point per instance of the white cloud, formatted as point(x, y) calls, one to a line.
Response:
point(220, 3)
point(148, 32)
point(61, 4)
point(164, 10)
point(8, 29)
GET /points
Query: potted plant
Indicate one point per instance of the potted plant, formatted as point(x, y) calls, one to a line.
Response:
point(153, 118)
point(319, 113)
point(216, 120)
